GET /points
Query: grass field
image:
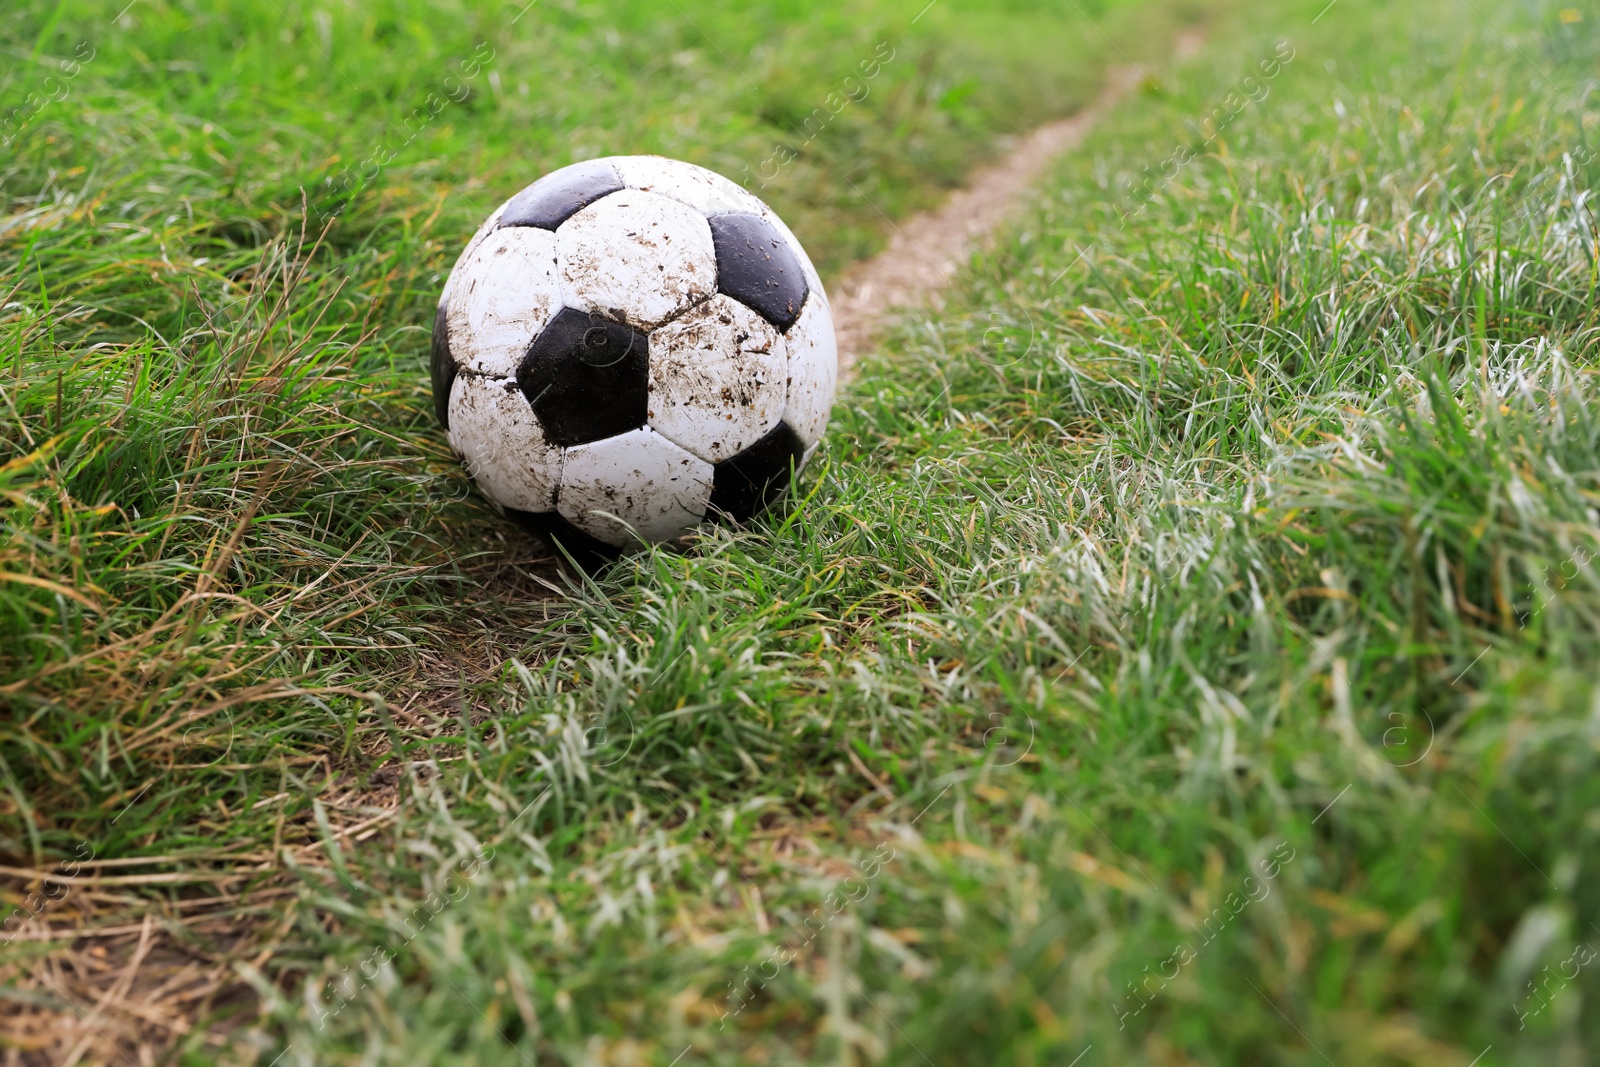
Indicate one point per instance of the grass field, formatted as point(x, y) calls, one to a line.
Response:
point(1184, 652)
point(228, 514)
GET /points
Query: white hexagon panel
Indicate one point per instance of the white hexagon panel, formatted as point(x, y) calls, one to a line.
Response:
point(717, 379)
point(502, 444)
point(813, 372)
point(489, 226)
point(706, 191)
point(636, 257)
point(501, 298)
point(637, 486)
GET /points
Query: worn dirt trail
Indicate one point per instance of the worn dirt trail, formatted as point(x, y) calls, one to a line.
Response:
point(928, 249)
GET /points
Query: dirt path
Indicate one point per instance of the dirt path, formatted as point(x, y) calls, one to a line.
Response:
point(928, 249)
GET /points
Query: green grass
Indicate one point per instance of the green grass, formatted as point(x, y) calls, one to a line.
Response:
point(228, 516)
point(1245, 534)
point(203, 128)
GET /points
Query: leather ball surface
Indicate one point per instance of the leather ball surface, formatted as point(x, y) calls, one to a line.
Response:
point(629, 347)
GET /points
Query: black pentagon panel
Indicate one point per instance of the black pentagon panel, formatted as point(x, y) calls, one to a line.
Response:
point(756, 266)
point(442, 366)
point(743, 485)
point(587, 377)
point(553, 529)
point(555, 198)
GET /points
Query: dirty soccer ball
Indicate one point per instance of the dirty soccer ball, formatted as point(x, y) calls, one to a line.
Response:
point(628, 347)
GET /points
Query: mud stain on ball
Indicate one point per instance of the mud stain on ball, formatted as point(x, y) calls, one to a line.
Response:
point(643, 257)
point(635, 486)
point(717, 378)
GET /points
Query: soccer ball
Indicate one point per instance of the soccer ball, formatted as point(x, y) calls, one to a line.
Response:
point(631, 346)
